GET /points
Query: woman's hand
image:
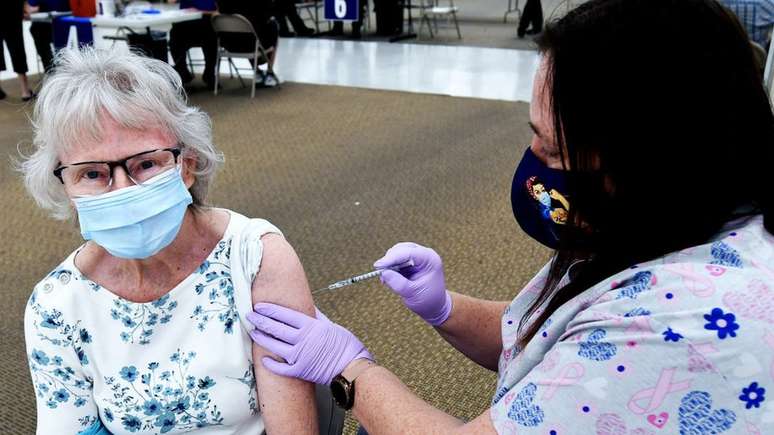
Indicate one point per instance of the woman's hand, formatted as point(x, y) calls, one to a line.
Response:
point(422, 286)
point(315, 350)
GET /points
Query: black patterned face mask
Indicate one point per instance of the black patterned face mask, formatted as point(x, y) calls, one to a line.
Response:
point(538, 200)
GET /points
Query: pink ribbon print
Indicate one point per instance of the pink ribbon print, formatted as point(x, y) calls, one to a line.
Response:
point(569, 375)
point(654, 396)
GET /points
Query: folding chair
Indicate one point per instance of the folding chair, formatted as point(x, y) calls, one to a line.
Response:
point(235, 34)
point(513, 8)
point(312, 10)
point(431, 10)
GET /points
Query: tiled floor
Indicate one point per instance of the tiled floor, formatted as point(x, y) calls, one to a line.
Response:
point(490, 73)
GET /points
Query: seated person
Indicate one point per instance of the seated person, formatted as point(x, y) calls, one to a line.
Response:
point(197, 33)
point(287, 9)
point(757, 17)
point(141, 328)
point(42, 32)
point(265, 26)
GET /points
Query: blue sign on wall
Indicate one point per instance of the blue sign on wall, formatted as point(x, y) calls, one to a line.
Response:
point(342, 10)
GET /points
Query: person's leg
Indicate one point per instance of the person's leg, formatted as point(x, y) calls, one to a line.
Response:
point(179, 43)
point(289, 10)
point(537, 17)
point(42, 35)
point(269, 36)
point(209, 44)
point(337, 29)
point(526, 17)
point(357, 25)
point(14, 39)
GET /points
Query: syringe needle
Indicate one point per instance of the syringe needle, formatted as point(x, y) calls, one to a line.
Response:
point(358, 278)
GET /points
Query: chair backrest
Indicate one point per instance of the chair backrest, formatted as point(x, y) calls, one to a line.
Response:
point(232, 23)
point(235, 33)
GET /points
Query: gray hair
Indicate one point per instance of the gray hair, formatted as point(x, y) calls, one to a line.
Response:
point(90, 87)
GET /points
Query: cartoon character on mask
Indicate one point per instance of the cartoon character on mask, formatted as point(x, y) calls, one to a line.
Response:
point(553, 205)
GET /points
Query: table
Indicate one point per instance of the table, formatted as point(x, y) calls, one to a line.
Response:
point(146, 21)
point(47, 17)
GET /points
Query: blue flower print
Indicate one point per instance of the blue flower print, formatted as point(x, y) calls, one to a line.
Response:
point(129, 373)
point(61, 395)
point(206, 383)
point(164, 397)
point(724, 323)
point(40, 357)
point(166, 422)
point(56, 382)
point(219, 290)
point(152, 407)
point(140, 319)
point(753, 395)
point(52, 327)
point(670, 335)
point(131, 423)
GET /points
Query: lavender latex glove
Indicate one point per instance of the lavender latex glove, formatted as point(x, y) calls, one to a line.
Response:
point(315, 350)
point(421, 286)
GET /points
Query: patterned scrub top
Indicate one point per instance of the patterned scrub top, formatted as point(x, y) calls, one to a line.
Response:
point(180, 363)
point(683, 344)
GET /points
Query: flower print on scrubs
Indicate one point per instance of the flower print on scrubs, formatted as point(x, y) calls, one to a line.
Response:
point(681, 344)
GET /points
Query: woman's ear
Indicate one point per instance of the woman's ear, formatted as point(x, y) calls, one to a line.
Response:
point(188, 168)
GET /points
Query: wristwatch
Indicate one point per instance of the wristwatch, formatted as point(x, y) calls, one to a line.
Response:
point(343, 392)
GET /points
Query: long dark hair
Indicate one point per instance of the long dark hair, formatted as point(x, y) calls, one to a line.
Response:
point(660, 110)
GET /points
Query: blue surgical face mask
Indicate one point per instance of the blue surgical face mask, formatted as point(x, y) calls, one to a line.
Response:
point(138, 221)
point(538, 199)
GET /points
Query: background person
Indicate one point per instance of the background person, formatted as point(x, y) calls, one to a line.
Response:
point(338, 26)
point(757, 16)
point(531, 22)
point(260, 16)
point(284, 11)
point(11, 14)
point(42, 32)
point(139, 328)
point(198, 33)
point(638, 323)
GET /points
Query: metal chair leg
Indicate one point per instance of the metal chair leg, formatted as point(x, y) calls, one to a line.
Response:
point(457, 24)
point(217, 73)
point(231, 64)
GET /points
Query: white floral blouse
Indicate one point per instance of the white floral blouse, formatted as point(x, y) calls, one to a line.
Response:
point(180, 363)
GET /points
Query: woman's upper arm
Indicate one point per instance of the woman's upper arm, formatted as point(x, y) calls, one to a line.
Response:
point(287, 405)
point(63, 392)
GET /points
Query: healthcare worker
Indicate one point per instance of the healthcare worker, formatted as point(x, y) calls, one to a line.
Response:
point(649, 172)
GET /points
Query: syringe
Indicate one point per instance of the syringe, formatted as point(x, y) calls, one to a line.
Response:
point(358, 278)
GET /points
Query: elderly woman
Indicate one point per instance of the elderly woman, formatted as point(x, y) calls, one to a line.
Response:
point(140, 328)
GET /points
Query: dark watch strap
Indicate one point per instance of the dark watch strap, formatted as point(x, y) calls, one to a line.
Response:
point(343, 392)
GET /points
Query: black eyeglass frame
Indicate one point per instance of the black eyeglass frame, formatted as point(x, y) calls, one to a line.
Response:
point(176, 151)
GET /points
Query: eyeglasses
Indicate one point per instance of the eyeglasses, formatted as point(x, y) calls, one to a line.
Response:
point(94, 178)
